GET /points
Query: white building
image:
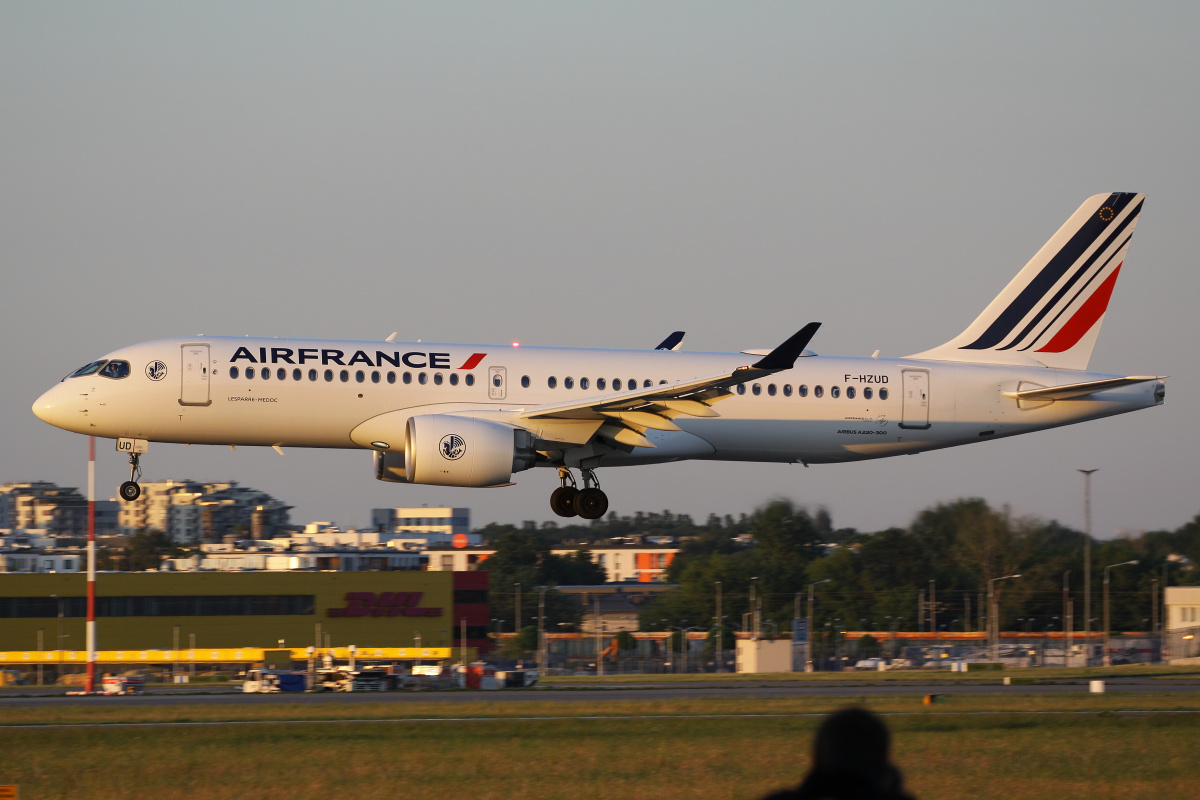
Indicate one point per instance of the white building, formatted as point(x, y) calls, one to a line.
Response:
point(191, 511)
point(27, 559)
point(435, 526)
point(1183, 624)
point(623, 564)
point(274, 555)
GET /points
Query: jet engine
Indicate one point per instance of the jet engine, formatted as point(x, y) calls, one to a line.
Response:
point(445, 450)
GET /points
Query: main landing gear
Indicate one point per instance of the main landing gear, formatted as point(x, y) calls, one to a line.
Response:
point(130, 490)
point(568, 500)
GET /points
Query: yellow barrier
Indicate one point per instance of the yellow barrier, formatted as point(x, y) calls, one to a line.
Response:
point(219, 655)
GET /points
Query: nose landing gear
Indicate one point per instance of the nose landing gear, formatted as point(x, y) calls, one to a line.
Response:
point(589, 502)
point(130, 490)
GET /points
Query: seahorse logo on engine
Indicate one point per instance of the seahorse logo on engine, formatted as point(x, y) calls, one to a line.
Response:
point(452, 447)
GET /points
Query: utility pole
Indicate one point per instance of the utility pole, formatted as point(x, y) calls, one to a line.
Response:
point(1066, 594)
point(90, 633)
point(1087, 562)
point(720, 631)
point(933, 609)
point(542, 633)
point(753, 610)
point(518, 606)
point(599, 637)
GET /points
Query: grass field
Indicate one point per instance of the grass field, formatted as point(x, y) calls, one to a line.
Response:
point(1060, 747)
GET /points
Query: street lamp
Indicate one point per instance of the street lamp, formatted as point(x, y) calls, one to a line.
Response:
point(753, 608)
point(1107, 660)
point(1087, 553)
point(808, 661)
point(993, 613)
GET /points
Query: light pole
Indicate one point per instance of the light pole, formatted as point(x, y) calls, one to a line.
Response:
point(1107, 659)
point(993, 613)
point(517, 618)
point(1087, 555)
point(542, 632)
point(720, 630)
point(808, 661)
point(753, 609)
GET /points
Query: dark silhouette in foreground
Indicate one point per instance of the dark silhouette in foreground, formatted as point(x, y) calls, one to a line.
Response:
point(850, 762)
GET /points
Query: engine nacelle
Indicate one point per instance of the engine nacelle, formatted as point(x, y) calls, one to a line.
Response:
point(446, 450)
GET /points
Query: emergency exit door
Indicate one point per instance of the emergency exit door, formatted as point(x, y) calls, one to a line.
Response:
point(915, 410)
point(497, 378)
point(196, 369)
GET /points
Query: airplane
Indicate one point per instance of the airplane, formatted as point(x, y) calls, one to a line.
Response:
point(473, 415)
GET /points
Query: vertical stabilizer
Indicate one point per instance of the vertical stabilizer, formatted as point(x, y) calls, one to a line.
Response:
point(1050, 314)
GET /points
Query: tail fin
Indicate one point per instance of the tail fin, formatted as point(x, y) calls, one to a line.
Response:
point(1050, 314)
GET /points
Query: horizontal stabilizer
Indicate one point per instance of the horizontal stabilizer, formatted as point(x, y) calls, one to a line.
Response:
point(1073, 390)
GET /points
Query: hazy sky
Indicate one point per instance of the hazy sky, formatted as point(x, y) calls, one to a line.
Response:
point(599, 175)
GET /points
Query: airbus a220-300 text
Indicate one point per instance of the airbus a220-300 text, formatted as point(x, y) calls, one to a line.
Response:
point(472, 416)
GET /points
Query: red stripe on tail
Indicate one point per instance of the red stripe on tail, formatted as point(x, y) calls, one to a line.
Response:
point(1092, 309)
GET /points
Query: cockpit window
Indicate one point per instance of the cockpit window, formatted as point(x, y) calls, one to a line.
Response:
point(90, 369)
point(115, 370)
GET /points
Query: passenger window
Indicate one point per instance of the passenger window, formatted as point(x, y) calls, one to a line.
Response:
point(818, 391)
point(312, 374)
point(281, 373)
point(328, 376)
point(867, 393)
point(600, 383)
point(391, 377)
point(115, 370)
point(437, 378)
point(265, 372)
point(883, 394)
point(375, 376)
point(250, 373)
point(616, 384)
point(454, 379)
point(771, 389)
point(568, 382)
point(359, 376)
point(787, 390)
point(632, 384)
point(849, 392)
point(741, 388)
point(408, 377)
point(422, 378)
point(584, 383)
point(524, 381)
point(233, 372)
point(835, 391)
point(470, 379)
point(296, 374)
point(803, 390)
point(646, 384)
point(757, 389)
point(552, 382)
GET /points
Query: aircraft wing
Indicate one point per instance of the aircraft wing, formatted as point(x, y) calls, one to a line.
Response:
point(1073, 390)
point(625, 416)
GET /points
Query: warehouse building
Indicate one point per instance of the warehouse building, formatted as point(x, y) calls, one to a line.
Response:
point(164, 610)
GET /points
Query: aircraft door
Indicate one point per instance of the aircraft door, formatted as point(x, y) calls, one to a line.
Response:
point(497, 379)
point(196, 369)
point(915, 410)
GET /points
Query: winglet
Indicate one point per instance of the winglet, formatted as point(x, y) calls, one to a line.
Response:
point(672, 342)
point(784, 356)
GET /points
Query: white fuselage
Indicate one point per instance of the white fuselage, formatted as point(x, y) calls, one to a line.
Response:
point(310, 393)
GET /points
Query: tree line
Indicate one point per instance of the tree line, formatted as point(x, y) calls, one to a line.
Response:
point(935, 572)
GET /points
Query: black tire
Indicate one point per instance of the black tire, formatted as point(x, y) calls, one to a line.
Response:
point(562, 501)
point(129, 491)
point(591, 503)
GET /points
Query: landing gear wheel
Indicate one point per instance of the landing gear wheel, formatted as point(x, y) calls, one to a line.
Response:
point(591, 503)
point(130, 491)
point(562, 501)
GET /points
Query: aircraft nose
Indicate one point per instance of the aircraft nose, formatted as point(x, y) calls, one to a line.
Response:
point(48, 406)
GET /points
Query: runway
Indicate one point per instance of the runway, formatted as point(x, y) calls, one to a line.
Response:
point(583, 692)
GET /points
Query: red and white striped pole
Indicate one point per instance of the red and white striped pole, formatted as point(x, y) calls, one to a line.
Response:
point(91, 568)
